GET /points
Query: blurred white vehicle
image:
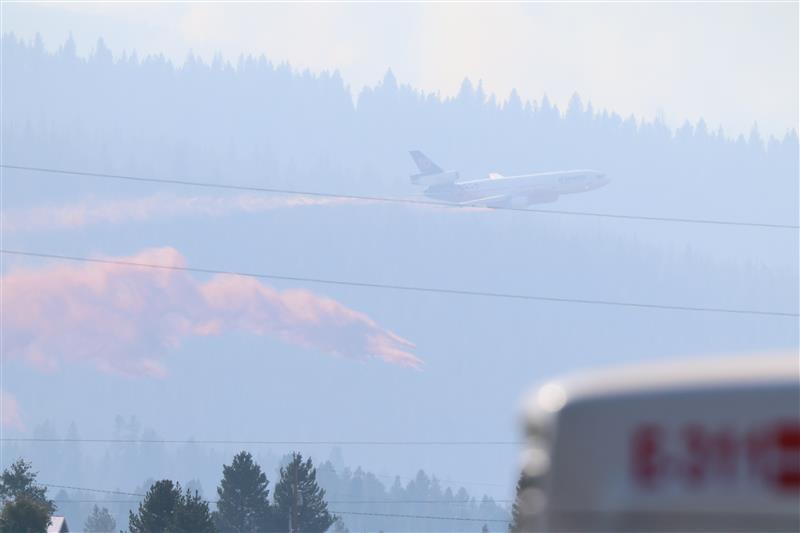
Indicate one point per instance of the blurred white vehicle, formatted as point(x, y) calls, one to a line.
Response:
point(708, 445)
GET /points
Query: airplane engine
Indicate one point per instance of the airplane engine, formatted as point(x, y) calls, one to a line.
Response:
point(439, 178)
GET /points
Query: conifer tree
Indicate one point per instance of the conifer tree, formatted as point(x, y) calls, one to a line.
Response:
point(19, 481)
point(299, 502)
point(243, 497)
point(25, 506)
point(100, 521)
point(166, 509)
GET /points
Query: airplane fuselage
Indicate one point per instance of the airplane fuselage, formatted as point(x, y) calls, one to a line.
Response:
point(519, 190)
point(501, 191)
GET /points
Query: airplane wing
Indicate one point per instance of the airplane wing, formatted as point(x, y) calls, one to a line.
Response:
point(485, 201)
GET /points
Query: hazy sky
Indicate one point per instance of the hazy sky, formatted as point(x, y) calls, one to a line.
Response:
point(733, 64)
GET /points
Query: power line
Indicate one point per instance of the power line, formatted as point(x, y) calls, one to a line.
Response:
point(407, 288)
point(454, 502)
point(117, 492)
point(385, 199)
point(445, 482)
point(271, 442)
point(353, 502)
point(334, 511)
point(85, 489)
point(60, 500)
point(422, 517)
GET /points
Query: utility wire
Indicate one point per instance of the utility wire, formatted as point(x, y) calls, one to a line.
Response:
point(84, 489)
point(272, 442)
point(422, 517)
point(386, 199)
point(407, 288)
point(334, 511)
point(117, 492)
point(122, 493)
point(354, 502)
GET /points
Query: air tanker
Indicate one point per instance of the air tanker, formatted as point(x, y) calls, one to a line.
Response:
point(496, 190)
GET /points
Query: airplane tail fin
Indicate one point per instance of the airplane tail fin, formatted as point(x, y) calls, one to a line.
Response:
point(425, 165)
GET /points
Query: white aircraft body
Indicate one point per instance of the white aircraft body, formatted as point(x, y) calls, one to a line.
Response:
point(502, 191)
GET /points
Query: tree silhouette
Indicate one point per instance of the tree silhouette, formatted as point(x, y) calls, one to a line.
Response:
point(243, 498)
point(24, 515)
point(25, 506)
point(193, 515)
point(100, 521)
point(19, 481)
point(166, 509)
point(299, 501)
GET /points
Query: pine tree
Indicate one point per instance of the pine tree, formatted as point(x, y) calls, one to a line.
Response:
point(157, 512)
point(25, 506)
point(100, 521)
point(299, 501)
point(24, 515)
point(19, 481)
point(166, 509)
point(193, 515)
point(243, 504)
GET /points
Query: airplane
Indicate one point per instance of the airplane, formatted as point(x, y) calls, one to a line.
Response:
point(502, 191)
